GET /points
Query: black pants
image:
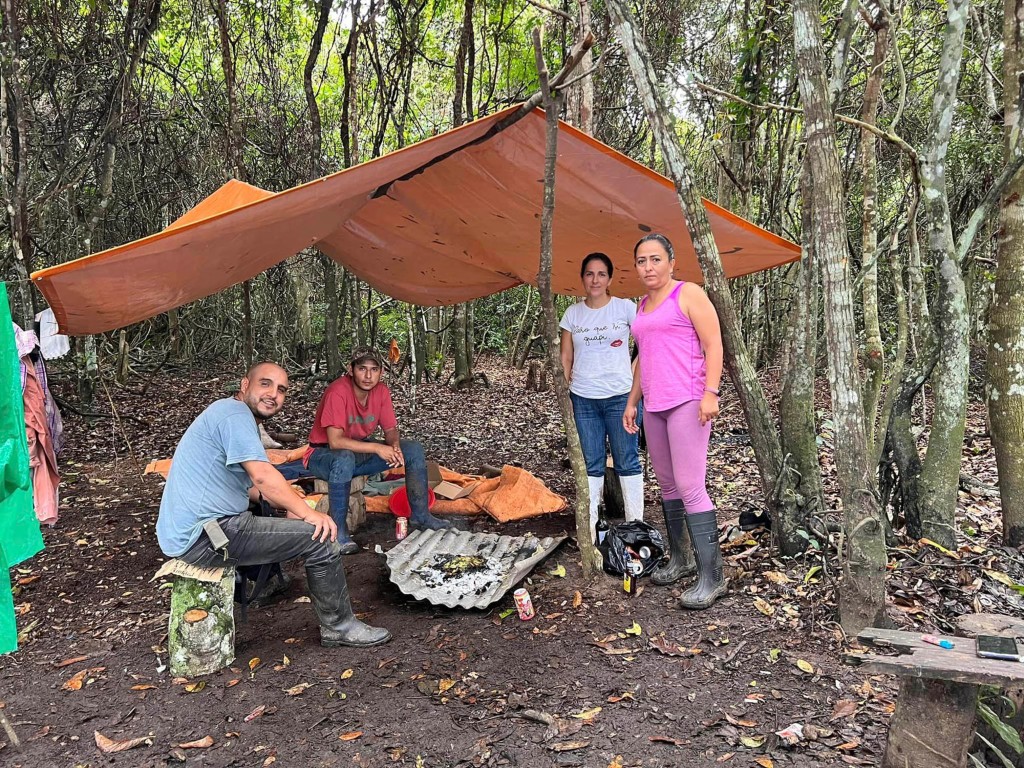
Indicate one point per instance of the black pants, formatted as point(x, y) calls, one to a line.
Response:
point(255, 540)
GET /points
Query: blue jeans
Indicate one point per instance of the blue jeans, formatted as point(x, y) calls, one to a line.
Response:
point(339, 467)
point(598, 420)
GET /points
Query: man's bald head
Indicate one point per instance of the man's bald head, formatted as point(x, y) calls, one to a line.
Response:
point(263, 389)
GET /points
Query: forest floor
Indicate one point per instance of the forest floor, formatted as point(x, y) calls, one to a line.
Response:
point(456, 687)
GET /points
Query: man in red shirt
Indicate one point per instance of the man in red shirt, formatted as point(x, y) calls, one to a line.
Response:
point(350, 412)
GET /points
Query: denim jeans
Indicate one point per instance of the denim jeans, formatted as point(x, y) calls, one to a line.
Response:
point(598, 420)
point(338, 467)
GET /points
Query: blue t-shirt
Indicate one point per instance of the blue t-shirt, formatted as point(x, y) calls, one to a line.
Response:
point(207, 480)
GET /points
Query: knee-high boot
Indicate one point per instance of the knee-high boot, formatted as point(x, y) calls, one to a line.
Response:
point(328, 590)
point(680, 550)
point(596, 486)
point(711, 583)
point(632, 496)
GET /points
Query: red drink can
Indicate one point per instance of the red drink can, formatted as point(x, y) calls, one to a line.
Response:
point(523, 604)
point(401, 527)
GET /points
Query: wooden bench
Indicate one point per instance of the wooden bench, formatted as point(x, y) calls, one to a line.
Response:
point(933, 725)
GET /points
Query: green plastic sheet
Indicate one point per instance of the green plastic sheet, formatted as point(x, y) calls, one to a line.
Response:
point(20, 537)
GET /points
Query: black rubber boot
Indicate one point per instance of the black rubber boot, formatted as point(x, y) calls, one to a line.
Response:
point(338, 625)
point(710, 584)
point(680, 561)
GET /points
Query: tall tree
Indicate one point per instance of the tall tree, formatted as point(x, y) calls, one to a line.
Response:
point(777, 481)
point(862, 595)
point(1006, 332)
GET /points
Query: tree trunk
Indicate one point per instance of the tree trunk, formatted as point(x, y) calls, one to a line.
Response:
point(1006, 331)
point(874, 352)
point(332, 318)
point(463, 371)
point(776, 484)
point(940, 474)
point(14, 128)
point(862, 592)
point(590, 555)
point(796, 406)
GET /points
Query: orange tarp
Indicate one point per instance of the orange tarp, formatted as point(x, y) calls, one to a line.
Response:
point(450, 219)
point(515, 495)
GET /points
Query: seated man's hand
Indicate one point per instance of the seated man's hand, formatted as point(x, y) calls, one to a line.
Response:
point(324, 527)
point(390, 454)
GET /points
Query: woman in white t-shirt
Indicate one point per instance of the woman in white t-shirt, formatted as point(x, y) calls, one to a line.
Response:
point(595, 355)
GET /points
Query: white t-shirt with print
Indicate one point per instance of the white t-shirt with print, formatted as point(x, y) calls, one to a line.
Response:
point(600, 346)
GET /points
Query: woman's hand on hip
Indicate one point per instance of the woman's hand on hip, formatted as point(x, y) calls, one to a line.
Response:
point(708, 408)
point(629, 420)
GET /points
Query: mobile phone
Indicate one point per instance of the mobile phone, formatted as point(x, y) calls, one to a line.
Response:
point(996, 647)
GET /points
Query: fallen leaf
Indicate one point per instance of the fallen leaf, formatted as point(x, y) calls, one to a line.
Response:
point(109, 746)
point(203, 743)
point(232, 683)
point(558, 571)
point(196, 614)
point(69, 662)
point(195, 687)
point(588, 714)
point(634, 629)
point(445, 684)
point(942, 549)
point(744, 723)
point(764, 762)
point(568, 746)
point(616, 699)
point(577, 599)
point(665, 740)
point(26, 580)
point(669, 648)
point(849, 745)
point(295, 690)
point(143, 687)
point(764, 606)
point(843, 708)
point(258, 712)
point(75, 682)
point(253, 663)
point(726, 756)
point(351, 735)
point(805, 666)
point(270, 761)
point(752, 742)
point(777, 577)
point(347, 674)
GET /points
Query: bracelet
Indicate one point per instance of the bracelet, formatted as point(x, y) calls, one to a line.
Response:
point(712, 391)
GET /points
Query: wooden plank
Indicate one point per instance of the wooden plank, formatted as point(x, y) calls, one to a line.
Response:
point(939, 664)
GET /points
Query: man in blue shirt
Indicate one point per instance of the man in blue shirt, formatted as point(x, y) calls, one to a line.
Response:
point(218, 467)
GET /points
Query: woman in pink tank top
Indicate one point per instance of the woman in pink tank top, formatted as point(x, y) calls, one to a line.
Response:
point(680, 345)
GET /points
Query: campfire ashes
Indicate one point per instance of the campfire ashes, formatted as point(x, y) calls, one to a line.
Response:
point(459, 568)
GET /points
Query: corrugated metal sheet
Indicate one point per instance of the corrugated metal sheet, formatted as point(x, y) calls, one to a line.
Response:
point(418, 565)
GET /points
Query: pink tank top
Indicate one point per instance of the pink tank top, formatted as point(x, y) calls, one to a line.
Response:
point(673, 370)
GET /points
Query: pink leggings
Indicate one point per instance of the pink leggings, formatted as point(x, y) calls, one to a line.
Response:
point(678, 446)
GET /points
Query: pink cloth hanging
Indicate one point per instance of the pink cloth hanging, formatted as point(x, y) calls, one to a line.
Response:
point(42, 459)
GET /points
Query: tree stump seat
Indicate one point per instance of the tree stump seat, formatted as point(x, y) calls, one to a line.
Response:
point(356, 502)
point(933, 725)
point(201, 628)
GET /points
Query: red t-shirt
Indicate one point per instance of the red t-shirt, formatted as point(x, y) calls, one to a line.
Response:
point(339, 408)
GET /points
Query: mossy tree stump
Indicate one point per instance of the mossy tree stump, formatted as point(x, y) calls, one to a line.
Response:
point(201, 633)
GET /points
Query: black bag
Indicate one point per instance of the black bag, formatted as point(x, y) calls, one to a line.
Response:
point(635, 536)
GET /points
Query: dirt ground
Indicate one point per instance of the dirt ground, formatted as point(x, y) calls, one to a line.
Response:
point(572, 687)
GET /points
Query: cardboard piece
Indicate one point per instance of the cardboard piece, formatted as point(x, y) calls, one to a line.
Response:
point(434, 475)
point(452, 491)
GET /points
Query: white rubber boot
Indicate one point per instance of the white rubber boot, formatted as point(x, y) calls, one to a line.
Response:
point(596, 494)
point(633, 496)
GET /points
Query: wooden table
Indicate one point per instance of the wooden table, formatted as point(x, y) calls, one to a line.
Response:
point(933, 725)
